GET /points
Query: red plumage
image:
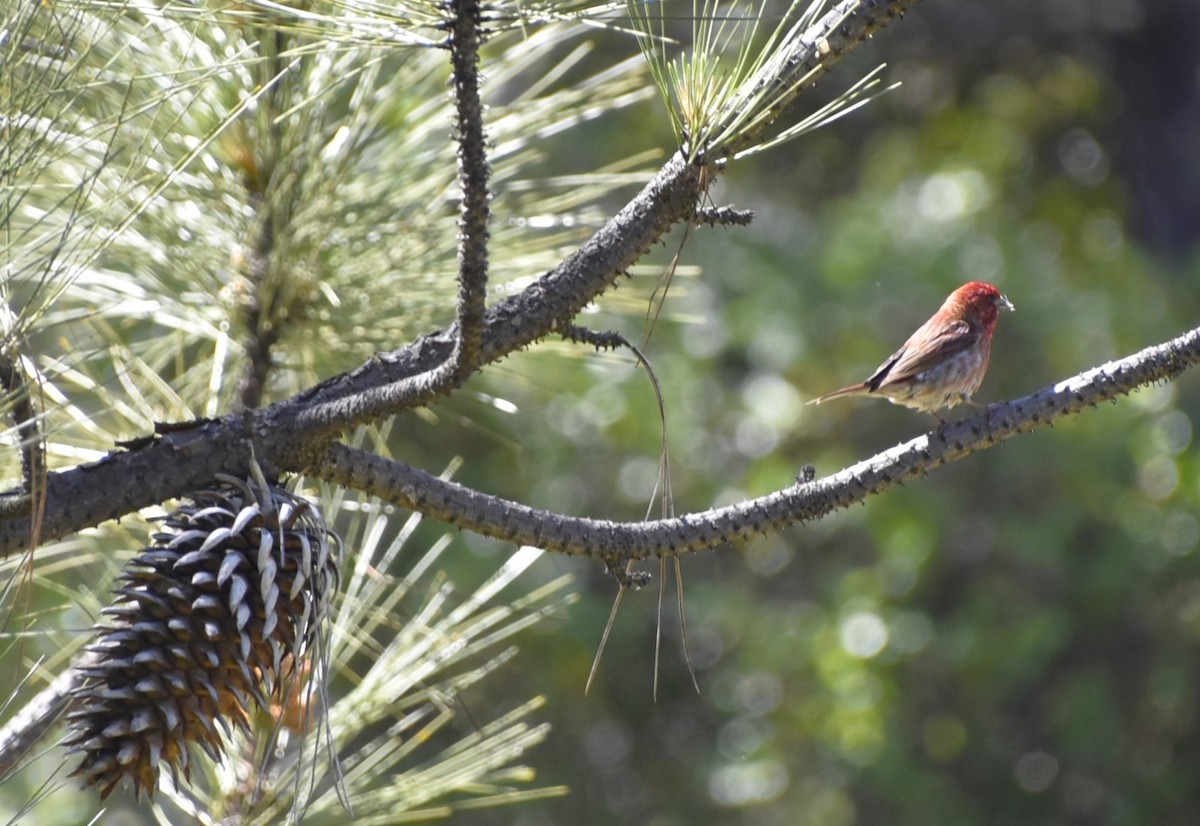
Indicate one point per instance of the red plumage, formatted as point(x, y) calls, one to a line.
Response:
point(943, 362)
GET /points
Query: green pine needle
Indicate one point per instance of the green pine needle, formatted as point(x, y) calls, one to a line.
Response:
point(724, 91)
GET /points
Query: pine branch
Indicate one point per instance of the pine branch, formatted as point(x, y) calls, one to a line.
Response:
point(404, 379)
point(442, 374)
point(260, 314)
point(726, 216)
point(354, 398)
point(466, 38)
point(809, 499)
point(825, 43)
point(257, 314)
point(33, 450)
point(36, 717)
point(292, 434)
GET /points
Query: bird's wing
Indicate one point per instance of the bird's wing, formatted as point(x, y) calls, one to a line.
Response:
point(924, 350)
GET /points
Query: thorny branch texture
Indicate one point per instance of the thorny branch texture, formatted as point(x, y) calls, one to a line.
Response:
point(295, 434)
point(299, 434)
point(465, 39)
point(807, 500)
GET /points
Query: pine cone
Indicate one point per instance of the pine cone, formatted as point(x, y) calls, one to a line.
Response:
point(220, 614)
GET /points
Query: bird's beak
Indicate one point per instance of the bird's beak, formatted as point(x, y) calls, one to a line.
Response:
point(1004, 304)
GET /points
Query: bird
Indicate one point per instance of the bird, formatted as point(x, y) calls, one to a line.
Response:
point(942, 364)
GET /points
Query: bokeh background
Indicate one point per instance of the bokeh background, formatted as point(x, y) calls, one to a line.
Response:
point(1011, 640)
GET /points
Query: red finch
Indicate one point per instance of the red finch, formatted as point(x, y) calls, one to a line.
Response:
point(943, 362)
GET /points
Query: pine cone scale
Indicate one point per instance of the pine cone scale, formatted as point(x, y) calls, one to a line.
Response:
point(205, 619)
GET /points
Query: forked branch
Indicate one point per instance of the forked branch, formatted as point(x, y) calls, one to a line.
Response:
point(293, 434)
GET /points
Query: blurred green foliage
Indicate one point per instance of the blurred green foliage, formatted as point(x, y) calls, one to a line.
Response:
point(1013, 639)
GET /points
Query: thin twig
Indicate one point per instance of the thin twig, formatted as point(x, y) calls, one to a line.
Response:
point(262, 333)
point(261, 314)
point(726, 216)
point(624, 575)
point(33, 461)
point(36, 717)
point(465, 40)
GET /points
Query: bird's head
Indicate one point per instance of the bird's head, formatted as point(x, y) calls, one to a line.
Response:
point(978, 300)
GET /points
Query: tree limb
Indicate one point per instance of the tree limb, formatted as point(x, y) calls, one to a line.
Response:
point(549, 303)
point(33, 449)
point(291, 434)
point(36, 717)
point(262, 181)
point(446, 370)
point(726, 215)
point(824, 43)
point(671, 196)
point(616, 542)
point(285, 434)
point(474, 213)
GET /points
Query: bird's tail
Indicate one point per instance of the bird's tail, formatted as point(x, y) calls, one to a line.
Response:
point(852, 390)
